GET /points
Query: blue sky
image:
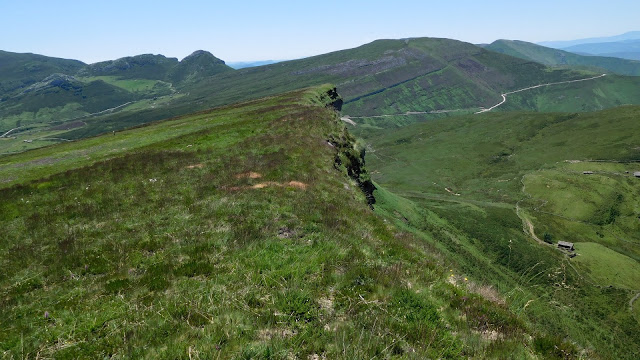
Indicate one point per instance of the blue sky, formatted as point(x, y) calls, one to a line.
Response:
point(95, 30)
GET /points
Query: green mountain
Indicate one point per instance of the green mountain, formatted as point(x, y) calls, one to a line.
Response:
point(147, 66)
point(38, 107)
point(198, 65)
point(555, 57)
point(158, 67)
point(22, 70)
point(381, 78)
point(385, 77)
point(393, 76)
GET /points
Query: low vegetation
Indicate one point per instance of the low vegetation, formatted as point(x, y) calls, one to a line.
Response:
point(480, 187)
point(240, 232)
point(264, 229)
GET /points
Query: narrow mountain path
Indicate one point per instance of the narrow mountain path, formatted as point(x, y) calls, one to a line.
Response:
point(10, 131)
point(110, 109)
point(348, 120)
point(504, 99)
point(527, 227)
point(408, 113)
point(504, 96)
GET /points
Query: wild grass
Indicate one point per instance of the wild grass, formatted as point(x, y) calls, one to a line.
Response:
point(157, 242)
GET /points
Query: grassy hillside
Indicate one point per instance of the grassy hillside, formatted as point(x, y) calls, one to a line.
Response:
point(506, 187)
point(239, 232)
point(555, 57)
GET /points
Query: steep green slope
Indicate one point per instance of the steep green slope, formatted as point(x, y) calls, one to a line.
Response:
point(555, 57)
point(509, 183)
point(239, 232)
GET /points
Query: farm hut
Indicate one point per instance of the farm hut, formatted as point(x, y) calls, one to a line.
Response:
point(587, 173)
point(637, 174)
point(563, 245)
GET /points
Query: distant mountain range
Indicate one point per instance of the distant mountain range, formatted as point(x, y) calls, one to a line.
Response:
point(382, 78)
point(245, 64)
point(628, 49)
point(631, 35)
point(625, 46)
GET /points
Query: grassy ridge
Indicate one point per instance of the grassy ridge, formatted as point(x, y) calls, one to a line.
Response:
point(232, 233)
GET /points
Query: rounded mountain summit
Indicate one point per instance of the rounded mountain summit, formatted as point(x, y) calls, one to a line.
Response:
point(197, 65)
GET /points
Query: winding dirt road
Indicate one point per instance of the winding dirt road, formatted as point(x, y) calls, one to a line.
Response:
point(504, 96)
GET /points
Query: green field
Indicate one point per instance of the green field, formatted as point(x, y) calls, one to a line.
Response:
point(607, 267)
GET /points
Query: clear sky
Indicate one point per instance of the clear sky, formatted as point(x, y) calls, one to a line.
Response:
point(237, 30)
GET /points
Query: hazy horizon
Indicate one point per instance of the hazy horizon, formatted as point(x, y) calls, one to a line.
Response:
point(280, 30)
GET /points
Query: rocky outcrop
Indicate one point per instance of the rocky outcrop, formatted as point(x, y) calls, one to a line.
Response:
point(62, 81)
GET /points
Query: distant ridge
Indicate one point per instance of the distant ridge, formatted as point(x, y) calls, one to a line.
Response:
point(245, 64)
point(628, 49)
point(631, 35)
point(556, 57)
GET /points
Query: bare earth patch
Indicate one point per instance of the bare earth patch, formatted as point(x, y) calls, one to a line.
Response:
point(295, 184)
point(268, 334)
point(249, 175)
point(195, 166)
point(262, 185)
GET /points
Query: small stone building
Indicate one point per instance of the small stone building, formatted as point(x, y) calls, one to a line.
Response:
point(563, 245)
